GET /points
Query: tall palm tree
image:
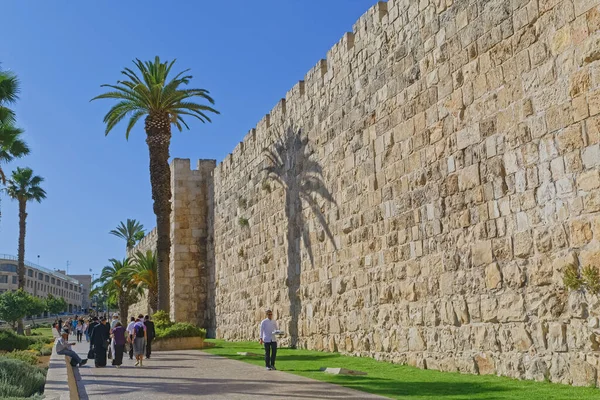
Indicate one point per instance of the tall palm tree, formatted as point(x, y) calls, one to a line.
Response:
point(115, 282)
point(143, 273)
point(290, 163)
point(11, 145)
point(9, 93)
point(132, 232)
point(151, 93)
point(24, 187)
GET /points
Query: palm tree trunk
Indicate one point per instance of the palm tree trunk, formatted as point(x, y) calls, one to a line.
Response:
point(21, 254)
point(123, 310)
point(153, 300)
point(158, 131)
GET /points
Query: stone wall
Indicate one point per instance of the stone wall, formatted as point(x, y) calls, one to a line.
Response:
point(191, 259)
point(189, 265)
point(428, 183)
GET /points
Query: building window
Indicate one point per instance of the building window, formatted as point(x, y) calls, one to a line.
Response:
point(53, 281)
point(40, 276)
point(47, 278)
point(14, 280)
point(30, 273)
point(8, 268)
point(70, 287)
point(3, 278)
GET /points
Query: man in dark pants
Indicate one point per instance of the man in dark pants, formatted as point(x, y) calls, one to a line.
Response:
point(130, 333)
point(267, 327)
point(150, 334)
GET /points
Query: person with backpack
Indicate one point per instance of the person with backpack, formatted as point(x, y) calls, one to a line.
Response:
point(139, 340)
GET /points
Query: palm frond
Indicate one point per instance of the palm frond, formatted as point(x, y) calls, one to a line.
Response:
point(147, 89)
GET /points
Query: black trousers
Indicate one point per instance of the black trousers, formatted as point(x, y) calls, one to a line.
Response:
point(118, 356)
point(270, 353)
point(79, 336)
point(148, 347)
point(131, 347)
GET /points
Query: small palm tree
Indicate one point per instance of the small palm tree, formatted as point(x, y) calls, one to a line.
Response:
point(164, 103)
point(24, 187)
point(132, 232)
point(143, 273)
point(114, 281)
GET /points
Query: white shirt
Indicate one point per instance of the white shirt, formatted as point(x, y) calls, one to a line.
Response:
point(130, 327)
point(267, 327)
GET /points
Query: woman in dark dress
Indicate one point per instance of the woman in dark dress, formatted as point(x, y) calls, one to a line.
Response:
point(99, 341)
point(118, 334)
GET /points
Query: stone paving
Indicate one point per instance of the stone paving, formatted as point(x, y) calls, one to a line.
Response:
point(190, 374)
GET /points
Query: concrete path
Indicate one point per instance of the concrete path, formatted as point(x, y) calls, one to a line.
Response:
point(194, 374)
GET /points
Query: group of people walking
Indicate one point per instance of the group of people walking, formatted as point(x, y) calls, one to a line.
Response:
point(108, 340)
point(77, 326)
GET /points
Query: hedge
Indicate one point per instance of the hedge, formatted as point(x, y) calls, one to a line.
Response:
point(179, 330)
point(20, 379)
point(10, 341)
point(24, 355)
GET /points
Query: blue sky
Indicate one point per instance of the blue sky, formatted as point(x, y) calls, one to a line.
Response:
point(247, 53)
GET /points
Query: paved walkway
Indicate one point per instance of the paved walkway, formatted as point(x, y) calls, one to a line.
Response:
point(192, 374)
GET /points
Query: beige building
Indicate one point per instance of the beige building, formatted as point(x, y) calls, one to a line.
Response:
point(40, 282)
point(86, 287)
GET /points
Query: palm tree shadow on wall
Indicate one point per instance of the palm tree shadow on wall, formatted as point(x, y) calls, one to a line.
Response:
point(290, 163)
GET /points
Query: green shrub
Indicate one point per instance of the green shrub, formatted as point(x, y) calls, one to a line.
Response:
point(179, 330)
point(161, 320)
point(10, 341)
point(46, 350)
point(19, 379)
point(243, 222)
point(24, 355)
point(41, 346)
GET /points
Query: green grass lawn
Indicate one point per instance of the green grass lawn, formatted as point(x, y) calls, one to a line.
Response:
point(45, 332)
point(400, 381)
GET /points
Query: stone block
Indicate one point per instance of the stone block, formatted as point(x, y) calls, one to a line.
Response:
point(583, 373)
point(481, 253)
point(556, 338)
point(523, 244)
point(493, 276)
point(485, 364)
point(468, 177)
point(511, 307)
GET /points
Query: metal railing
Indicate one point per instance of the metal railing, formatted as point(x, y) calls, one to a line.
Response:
point(40, 268)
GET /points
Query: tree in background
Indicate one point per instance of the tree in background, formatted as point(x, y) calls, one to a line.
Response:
point(55, 305)
point(164, 102)
point(132, 232)
point(115, 282)
point(11, 144)
point(144, 274)
point(36, 307)
point(24, 187)
point(14, 306)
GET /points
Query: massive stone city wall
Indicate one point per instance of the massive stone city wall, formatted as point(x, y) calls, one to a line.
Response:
point(416, 198)
point(434, 176)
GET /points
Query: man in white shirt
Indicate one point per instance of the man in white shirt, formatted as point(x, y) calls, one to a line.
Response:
point(130, 333)
point(267, 327)
point(63, 347)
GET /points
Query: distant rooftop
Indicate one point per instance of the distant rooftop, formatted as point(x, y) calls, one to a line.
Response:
point(40, 268)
